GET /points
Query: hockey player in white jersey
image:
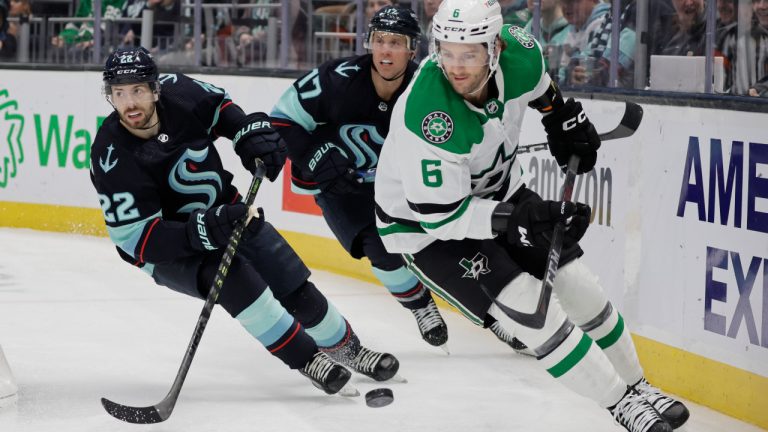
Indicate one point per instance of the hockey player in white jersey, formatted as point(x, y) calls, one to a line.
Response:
point(450, 199)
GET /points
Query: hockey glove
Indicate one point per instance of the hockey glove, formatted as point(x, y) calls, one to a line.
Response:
point(569, 131)
point(333, 172)
point(532, 223)
point(258, 139)
point(210, 229)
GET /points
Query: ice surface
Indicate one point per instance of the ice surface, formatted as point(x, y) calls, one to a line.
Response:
point(78, 324)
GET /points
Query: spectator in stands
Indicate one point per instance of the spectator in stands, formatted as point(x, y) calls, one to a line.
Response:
point(690, 28)
point(80, 35)
point(747, 62)
point(7, 40)
point(726, 12)
point(551, 32)
point(18, 9)
point(516, 12)
point(373, 6)
point(586, 48)
point(428, 10)
point(760, 88)
point(250, 32)
point(165, 13)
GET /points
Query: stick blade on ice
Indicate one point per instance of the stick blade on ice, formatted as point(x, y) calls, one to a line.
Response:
point(144, 415)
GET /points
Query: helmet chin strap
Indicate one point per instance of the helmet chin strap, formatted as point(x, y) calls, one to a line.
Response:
point(154, 111)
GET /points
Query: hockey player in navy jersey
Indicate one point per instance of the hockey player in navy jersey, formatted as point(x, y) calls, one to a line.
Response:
point(451, 199)
point(334, 120)
point(170, 206)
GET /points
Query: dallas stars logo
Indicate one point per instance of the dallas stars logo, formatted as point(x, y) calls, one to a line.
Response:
point(11, 126)
point(437, 127)
point(475, 267)
point(522, 36)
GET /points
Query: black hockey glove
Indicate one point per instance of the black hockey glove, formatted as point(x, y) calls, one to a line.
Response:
point(210, 229)
point(257, 138)
point(531, 223)
point(333, 172)
point(569, 131)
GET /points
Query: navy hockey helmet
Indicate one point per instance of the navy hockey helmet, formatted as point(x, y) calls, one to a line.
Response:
point(395, 19)
point(130, 66)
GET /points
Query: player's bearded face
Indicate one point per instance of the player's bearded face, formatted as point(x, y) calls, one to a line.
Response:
point(390, 53)
point(135, 103)
point(465, 65)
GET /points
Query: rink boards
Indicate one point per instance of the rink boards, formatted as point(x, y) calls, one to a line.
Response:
point(679, 236)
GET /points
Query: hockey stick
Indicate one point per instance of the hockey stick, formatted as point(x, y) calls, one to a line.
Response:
point(162, 410)
point(633, 114)
point(537, 318)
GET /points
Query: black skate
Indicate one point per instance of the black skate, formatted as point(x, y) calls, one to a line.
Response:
point(636, 414)
point(674, 412)
point(431, 325)
point(510, 340)
point(375, 365)
point(328, 375)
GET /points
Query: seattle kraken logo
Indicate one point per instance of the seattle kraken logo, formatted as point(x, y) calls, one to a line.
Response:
point(183, 181)
point(358, 139)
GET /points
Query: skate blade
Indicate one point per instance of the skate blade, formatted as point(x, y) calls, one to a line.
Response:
point(398, 379)
point(444, 347)
point(348, 391)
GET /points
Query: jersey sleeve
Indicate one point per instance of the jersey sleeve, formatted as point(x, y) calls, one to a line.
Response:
point(131, 208)
point(210, 105)
point(309, 102)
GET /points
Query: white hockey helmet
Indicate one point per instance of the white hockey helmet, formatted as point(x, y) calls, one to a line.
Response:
point(467, 21)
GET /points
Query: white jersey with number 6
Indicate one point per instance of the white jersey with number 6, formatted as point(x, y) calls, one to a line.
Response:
point(446, 164)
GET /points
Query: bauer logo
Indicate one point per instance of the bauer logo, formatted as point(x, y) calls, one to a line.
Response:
point(11, 127)
point(437, 127)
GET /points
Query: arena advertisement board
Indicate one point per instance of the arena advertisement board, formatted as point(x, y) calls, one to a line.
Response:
point(679, 237)
point(704, 193)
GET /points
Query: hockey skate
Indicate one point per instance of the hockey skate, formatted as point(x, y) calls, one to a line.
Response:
point(674, 412)
point(510, 340)
point(431, 325)
point(375, 365)
point(636, 414)
point(328, 375)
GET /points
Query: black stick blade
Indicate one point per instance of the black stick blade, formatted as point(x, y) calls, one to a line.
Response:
point(145, 415)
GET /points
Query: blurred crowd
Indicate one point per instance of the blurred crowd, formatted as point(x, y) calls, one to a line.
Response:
point(575, 35)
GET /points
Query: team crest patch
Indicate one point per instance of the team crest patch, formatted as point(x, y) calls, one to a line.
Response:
point(522, 36)
point(475, 267)
point(437, 127)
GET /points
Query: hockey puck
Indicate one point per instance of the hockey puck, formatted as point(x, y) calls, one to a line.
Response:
point(379, 397)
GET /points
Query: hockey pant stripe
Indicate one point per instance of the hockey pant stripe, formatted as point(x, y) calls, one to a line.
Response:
point(442, 293)
point(331, 330)
point(266, 319)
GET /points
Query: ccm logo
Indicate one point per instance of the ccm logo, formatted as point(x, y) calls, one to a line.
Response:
point(573, 122)
point(127, 71)
point(455, 29)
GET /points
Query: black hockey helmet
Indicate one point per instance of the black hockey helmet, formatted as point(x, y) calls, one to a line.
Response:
point(395, 19)
point(130, 66)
